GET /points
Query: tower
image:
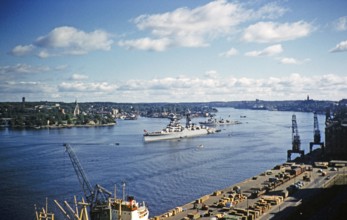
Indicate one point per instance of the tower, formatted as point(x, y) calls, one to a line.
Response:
point(23, 102)
point(77, 109)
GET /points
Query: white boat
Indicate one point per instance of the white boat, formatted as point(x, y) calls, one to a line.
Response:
point(214, 122)
point(174, 130)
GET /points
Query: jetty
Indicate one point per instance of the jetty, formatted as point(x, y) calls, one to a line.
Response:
point(272, 194)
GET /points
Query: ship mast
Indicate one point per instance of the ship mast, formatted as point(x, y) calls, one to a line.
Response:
point(188, 119)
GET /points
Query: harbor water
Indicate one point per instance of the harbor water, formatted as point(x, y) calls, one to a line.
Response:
point(165, 174)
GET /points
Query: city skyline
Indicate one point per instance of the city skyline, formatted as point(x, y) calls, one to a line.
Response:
point(173, 51)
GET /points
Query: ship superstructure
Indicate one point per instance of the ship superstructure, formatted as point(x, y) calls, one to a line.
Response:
point(215, 122)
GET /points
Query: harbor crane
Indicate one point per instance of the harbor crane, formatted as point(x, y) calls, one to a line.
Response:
point(102, 205)
point(94, 196)
point(98, 198)
point(295, 140)
point(316, 134)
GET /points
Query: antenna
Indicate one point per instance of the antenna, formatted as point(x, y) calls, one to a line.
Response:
point(123, 190)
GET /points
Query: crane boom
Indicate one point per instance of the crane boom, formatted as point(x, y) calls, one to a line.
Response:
point(102, 206)
point(82, 178)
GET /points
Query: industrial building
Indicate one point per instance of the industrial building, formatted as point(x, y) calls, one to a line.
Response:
point(336, 132)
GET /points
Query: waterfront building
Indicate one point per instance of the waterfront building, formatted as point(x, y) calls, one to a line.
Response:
point(336, 132)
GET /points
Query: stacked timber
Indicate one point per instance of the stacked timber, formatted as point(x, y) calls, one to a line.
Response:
point(202, 199)
point(170, 213)
point(231, 200)
point(176, 210)
point(254, 213)
point(217, 193)
point(273, 200)
point(195, 215)
point(242, 212)
point(261, 206)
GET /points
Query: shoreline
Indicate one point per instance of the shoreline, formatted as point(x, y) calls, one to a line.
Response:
point(60, 126)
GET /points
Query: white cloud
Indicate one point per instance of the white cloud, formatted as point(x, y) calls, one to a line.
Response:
point(86, 87)
point(23, 68)
point(45, 54)
point(288, 60)
point(232, 88)
point(196, 27)
point(269, 51)
point(270, 11)
point(231, 52)
point(340, 47)
point(211, 74)
point(267, 32)
point(66, 40)
point(189, 27)
point(38, 89)
point(78, 77)
point(179, 89)
point(291, 60)
point(146, 44)
point(340, 24)
point(75, 40)
point(21, 50)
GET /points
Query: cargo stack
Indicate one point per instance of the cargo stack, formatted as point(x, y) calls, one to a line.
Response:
point(273, 200)
point(202, 199)
point(170, 213)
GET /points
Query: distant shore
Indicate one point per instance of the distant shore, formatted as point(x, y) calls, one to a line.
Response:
point(63, 126)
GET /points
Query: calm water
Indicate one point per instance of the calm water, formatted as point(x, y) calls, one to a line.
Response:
point(166, 174)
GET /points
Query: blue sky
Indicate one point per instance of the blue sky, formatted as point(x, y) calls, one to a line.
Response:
point(172, 51)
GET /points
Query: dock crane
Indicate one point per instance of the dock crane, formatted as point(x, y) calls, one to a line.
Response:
point(316, 134)
point(98, 197)
point(295, 140)
point(94, 196)
point(102, 205)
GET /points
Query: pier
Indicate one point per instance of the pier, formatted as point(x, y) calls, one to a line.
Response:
point(272, 194)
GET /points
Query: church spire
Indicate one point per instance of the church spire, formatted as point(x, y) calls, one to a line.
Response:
point(77, 109)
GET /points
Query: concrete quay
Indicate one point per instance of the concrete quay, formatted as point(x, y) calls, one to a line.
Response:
point(264, 196)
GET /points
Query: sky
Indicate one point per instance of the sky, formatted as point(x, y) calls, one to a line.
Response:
point(172, 51)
